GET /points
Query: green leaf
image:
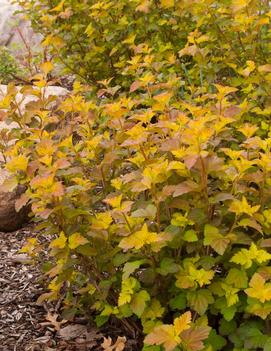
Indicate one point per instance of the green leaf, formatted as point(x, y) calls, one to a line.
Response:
point(168, 266)
point(148, 212)
point(151, 348)
point(131, 267)
point(178, 302)
point(199, 300)
point(229, 312)
point(216, 341)
point(267, 345)
point(139, 301)
point(213, 238)
point(190, 236)
point(227, 327)
point(101, 320)
point(238, 278)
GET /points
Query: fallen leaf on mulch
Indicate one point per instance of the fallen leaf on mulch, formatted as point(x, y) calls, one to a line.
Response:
point(52, 320)
point(118, 346)
point(72, 331)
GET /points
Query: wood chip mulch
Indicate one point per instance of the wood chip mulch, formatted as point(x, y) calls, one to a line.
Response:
point(25, 326)
point(19, 314)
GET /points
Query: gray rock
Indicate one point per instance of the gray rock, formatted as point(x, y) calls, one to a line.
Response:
point(15, 31)
point(10, 220)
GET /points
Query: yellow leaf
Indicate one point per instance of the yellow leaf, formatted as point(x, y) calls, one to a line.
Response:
point(201, 276)
point(53, 40)
point(128, 287)
point(59, 242)
point(224, 91)
point(46, 67)
point(139, 239)
point(182, 323)
point(246, 257)
point(101, 221)
point(161, 101)
point(45, 147)
point(114, 201)
point(250, 68)
point(116, 183)
point(248, 130)
point(167, 3)
point(90, 30)
point(240, 207)
point(40, 83)
point(17, 163)
point(30, 247)
point(76, 240)
point(129, 40)
point(258, 289)
point(59, 7)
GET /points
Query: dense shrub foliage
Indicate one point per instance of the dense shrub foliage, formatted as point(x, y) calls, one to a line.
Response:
point(8, 66)
point(155, 193)
point(112, 38)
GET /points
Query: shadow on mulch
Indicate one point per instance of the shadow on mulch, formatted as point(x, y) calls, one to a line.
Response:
point(25, 326)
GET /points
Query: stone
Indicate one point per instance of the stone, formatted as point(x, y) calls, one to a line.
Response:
point(50, 90)
point(15, 31)
point(10, 220)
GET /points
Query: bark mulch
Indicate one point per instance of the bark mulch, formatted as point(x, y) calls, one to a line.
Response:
point(25, 326)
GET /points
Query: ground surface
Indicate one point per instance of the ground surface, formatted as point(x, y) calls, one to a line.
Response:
point(24, 326)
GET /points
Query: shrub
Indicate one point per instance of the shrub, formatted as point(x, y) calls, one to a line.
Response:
point(155, 196)
point(108, 39)
point(9, 68)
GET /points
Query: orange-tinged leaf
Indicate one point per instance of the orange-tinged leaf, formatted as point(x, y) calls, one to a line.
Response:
point(144, 6)
point(193, 338)
point(265, 68)
point(119, 345)
point(169, 335)
point(185, 187)
point(135, 85)
point(57, 189)
point(21, 202)
point(163, 335)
